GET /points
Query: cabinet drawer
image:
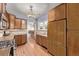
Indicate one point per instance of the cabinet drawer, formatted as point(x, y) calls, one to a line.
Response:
point(60, 12)
point(73, 43)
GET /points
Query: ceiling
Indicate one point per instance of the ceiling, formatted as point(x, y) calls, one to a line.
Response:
point(22, 10)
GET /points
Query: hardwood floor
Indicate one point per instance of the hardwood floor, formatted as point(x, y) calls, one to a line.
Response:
point(31, 49)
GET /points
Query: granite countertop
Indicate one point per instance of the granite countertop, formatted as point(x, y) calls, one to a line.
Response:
point(15, 31)
point(42, 33)
point(18, 31)
point(9, 37)
point(8, 41)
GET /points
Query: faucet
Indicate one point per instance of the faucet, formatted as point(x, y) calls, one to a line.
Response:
point(6, 33)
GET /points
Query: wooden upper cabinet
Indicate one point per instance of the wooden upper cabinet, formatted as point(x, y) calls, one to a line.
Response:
point(60, 12)
point(57, 13)
point(12, 21)
point(2, 7)
point(17, 24)
point(23, 24)
point(51, 15)
point(5, 16)
point(73, 16)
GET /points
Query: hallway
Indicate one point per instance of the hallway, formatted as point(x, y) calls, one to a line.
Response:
point(31, 48)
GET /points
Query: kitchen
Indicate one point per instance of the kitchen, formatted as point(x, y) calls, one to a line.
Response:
point(39, 29)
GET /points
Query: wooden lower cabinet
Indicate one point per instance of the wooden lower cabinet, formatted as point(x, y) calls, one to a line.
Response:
point(20, 39)
point(73, 43)
point(44, 41)
point(41, 40)
point(38, 39)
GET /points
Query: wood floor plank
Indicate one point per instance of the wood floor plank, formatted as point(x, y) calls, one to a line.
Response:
point(31, 49)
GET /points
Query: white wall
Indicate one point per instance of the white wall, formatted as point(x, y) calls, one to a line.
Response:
point(42, 19)
point(52, 5)
point(11, 8)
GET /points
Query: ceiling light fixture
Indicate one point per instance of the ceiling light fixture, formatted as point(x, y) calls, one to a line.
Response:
point(31, 14)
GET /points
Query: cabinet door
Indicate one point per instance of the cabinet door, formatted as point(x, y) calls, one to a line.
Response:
point(12, 21)
point(60, 12)
point(51, 37)
point(73, 43)
point(51, 15)
point(61, 31)
point(24, 39)
point(73, 16)
point(6, 18)
point(38, 39)
point(17, 24)
point(44, 41)
point(24, 24)
point(1, 7)
point(18, 40)
point(61, 37)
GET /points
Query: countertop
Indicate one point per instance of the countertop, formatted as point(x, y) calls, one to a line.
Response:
point(6, 42)
point(18, 31)
point(42, 33)
point(15, 31)
point(9, 37)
